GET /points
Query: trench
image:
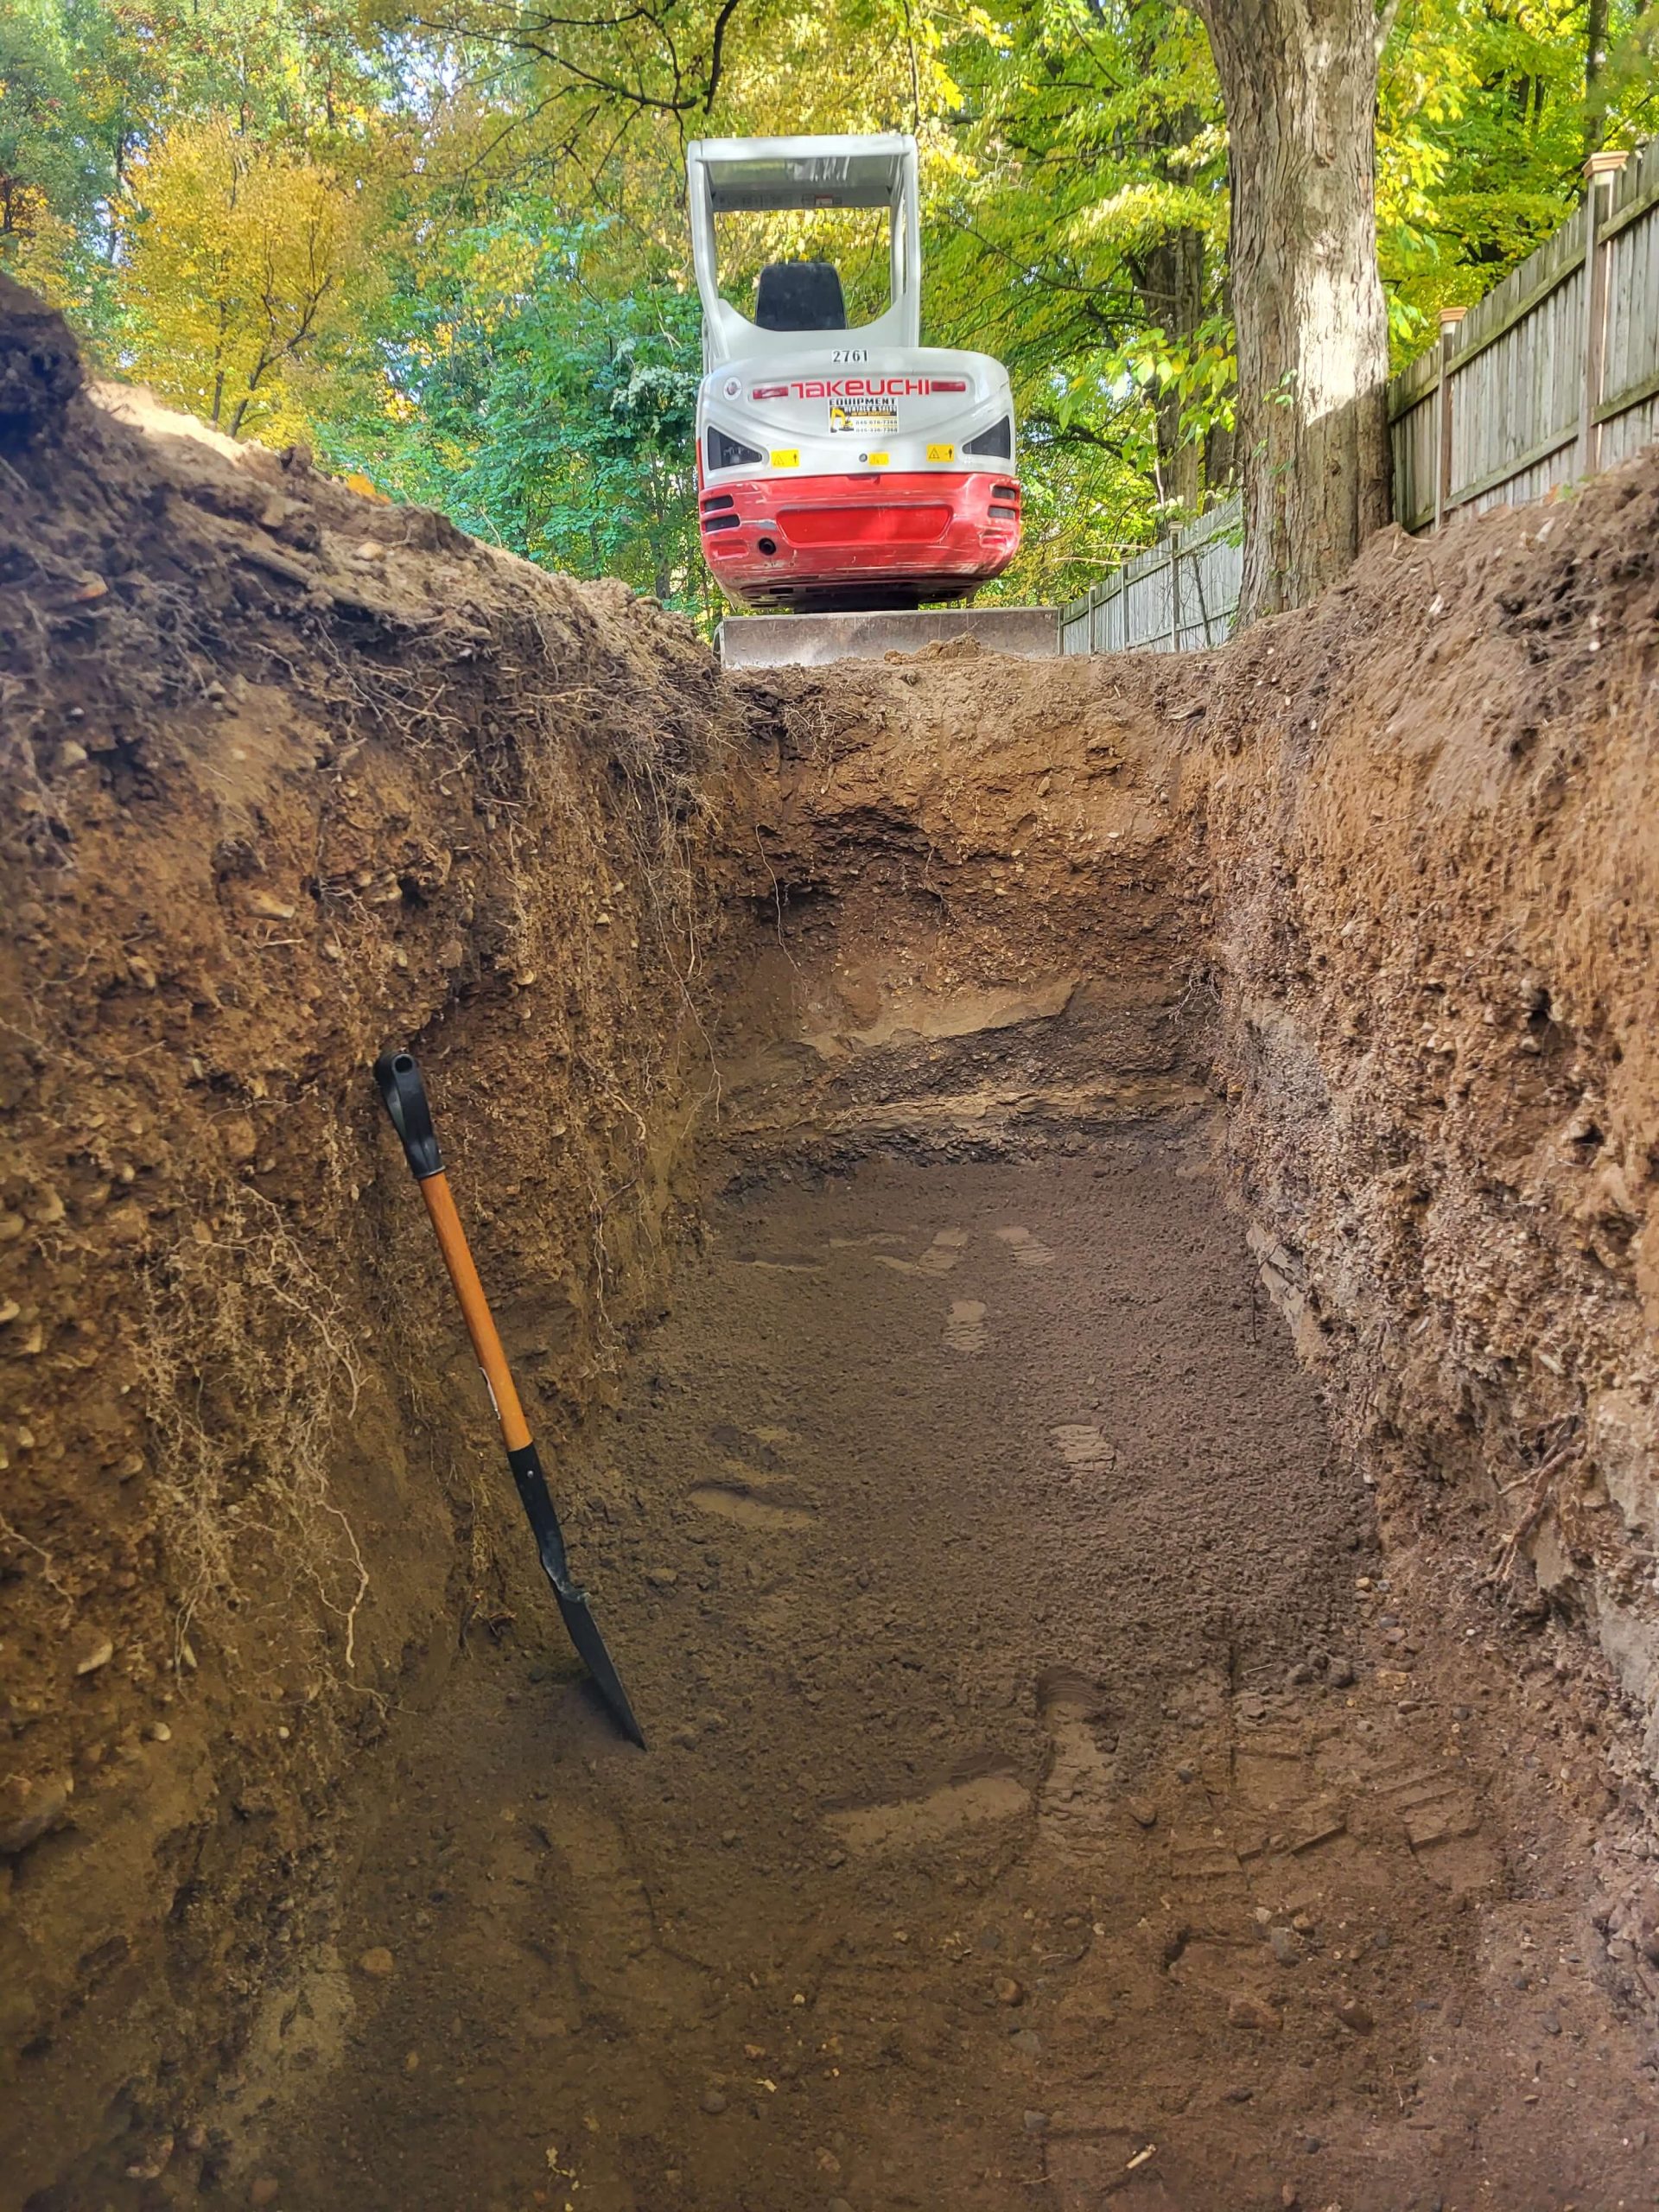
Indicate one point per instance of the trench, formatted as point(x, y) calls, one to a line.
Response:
point(1074, 1240)
point(1047, 1802)
point(1052, 1798)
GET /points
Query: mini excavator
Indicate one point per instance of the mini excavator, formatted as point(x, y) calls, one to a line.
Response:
point(840, 468)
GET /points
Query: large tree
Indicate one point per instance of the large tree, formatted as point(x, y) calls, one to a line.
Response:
point(240, 259)
point(1298, 80)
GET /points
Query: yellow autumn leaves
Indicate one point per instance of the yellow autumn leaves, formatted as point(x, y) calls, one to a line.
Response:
point(244, 263)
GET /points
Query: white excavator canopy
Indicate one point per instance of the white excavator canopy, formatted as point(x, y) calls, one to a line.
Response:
point(728, 176)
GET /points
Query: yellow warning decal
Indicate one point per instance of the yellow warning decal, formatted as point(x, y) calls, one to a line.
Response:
point(941, 453)
point(789, 458)
point(877, 460)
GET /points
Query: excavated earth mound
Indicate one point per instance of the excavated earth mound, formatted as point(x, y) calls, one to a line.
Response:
point(1079, 1241)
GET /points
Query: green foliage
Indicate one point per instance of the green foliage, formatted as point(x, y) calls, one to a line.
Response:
point(1484, 121)
point(1079, 233)
point(57, 165)
point(450, 248)
point(538, 411)
point(47, 160)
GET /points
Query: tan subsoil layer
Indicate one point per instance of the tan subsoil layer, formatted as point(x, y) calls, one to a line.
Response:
point(1012, 1835)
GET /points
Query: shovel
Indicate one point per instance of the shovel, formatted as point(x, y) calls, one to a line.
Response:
point(405, 1096)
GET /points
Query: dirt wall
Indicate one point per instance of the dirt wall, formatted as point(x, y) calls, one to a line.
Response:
point(289, 775)
point(966, 881)
point(1359, 910)
point(1424, 818)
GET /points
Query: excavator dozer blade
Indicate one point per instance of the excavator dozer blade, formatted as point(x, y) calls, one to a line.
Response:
point(942, 633)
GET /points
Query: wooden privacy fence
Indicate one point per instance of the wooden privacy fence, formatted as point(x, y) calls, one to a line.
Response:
point(1552, 376)
point(1176, 595)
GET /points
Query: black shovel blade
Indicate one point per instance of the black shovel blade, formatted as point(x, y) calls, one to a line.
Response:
point(527, 1473)
point(583, 1630)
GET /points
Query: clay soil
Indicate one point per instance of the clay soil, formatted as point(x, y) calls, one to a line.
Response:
point(1049, 1803)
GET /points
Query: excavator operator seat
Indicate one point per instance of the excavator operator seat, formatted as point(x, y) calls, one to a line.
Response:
point(799, 295)
point(801, 176)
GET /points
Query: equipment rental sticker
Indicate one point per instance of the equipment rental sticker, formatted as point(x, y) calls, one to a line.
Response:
point(868, 417)
point(789, 458)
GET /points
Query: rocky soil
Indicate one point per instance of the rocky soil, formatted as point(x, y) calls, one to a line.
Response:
point(1346, 929)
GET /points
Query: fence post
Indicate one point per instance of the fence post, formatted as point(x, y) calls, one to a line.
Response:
point(1450, 318)
point(1197, 583)
point(1174, 591)
point(1599, 171)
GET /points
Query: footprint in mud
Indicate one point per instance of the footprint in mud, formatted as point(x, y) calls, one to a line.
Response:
point(965, 1331)
point(734, 1502)
point(1084, 1450)
point(759, 1491)
point(1439, 1814)
point(979, 1790)
point(613, 1949)
point(754, 1449)
point(939, 1258)
point(1028, 1251)
point(1080, 1789)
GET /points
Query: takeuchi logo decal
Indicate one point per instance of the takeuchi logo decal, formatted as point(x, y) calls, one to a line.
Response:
point(868, 387)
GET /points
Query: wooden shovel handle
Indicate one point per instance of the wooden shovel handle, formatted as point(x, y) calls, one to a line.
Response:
point(475, 1311)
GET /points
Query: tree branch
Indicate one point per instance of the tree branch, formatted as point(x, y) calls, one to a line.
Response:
point(716, 52)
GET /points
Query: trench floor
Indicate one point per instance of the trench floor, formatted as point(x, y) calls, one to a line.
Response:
point(1048, 1803)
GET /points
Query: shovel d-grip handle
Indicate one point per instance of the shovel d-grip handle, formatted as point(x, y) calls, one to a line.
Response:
point(405, 1096)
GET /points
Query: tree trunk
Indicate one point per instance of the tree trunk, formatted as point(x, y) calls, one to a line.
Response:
point(1595, 57)
point(1221, 445)
point(1299, 81)
point(1170, 285)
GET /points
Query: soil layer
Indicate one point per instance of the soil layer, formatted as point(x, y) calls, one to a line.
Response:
point(289, 776)
point(1047, 1804)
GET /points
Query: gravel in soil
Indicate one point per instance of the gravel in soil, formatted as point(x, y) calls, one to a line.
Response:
point(1041, 1808)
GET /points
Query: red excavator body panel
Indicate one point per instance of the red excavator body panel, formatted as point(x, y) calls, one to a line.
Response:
point(870, 538)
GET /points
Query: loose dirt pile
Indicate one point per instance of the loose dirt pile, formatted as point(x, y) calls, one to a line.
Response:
point(959, 1510)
